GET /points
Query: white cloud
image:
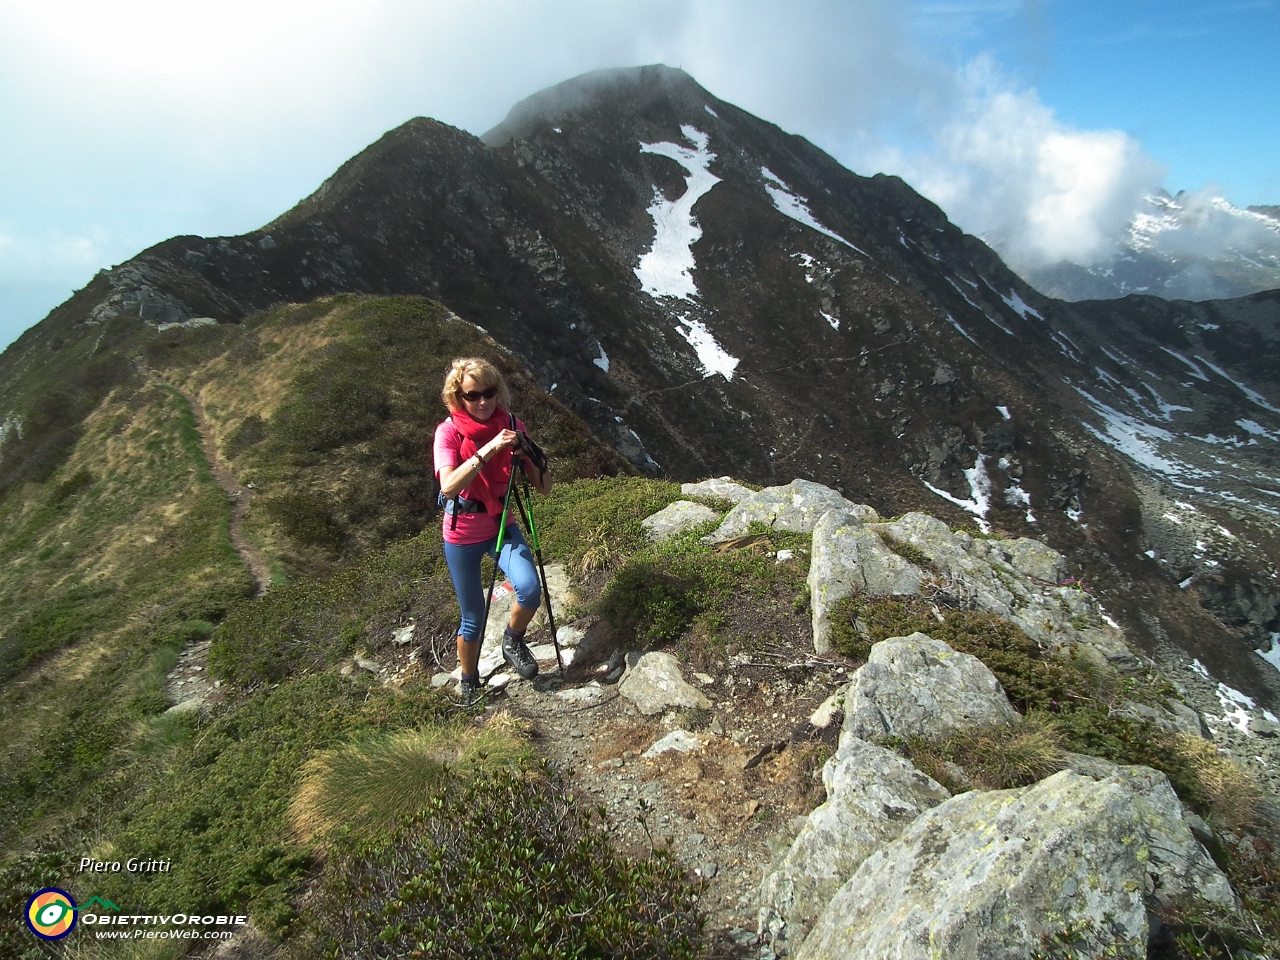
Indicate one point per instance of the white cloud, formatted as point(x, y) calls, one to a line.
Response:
point(1003, 167)
point(130, 121)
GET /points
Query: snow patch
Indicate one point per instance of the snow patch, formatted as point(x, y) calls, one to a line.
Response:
point(790, 205)
point(1195, 369)
point(664, 270)
point(979, 309)
point(1235, 708)
point(713, 357)
point(1257, 429)
point(835, 323)
point(1004, 412)
point(602, 361)
point(963, 332)
point(1015, 495)
point(1014, 303)
point(1253, 395)
point(1132, 437)
point(710, 111)
point(979, 492)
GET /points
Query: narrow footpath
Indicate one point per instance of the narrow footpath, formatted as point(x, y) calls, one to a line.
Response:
point(240, 496)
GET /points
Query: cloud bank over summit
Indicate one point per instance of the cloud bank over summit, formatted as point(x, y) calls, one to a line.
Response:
point(134, 121)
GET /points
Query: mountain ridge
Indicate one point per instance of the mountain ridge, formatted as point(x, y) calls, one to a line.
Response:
point(859, 319)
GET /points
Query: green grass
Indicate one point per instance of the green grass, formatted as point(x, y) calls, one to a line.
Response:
point(105, 572)
point(345, 460)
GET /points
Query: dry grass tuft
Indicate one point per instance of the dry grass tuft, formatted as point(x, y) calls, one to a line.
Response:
point(998, 759)
point(1231, 792)
point(374, 784)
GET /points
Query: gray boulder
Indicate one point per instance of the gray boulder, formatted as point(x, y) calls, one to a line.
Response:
point(653, 682)
point(797, 507)
point(987, 875)
point(723, 487)
point(676, 518)
point(919, 687)
point(1019, 580)
point(1176, 718)
point(872, 795)
point(849, 558)
point(1031, 558)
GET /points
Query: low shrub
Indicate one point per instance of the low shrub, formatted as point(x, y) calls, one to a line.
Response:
point(661, 591)
point(19, 879)
point(308, 519)
point(314, 623)
point(995, 759)
point(594, 524)
point(220, 814)
point(509, 866)
point(1030, 678)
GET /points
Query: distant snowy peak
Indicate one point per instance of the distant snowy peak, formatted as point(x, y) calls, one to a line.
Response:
point(1193, 246)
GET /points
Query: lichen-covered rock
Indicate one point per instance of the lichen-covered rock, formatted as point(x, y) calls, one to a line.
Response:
point(987, 875)
point(872, 795)
point(1175, 718)
point(653, 682)
point(1018, 580)
point(797, 507)
point(676, 518)
point(848, 558)
point(723, 487)
point(1031, 558)
point(920, 687)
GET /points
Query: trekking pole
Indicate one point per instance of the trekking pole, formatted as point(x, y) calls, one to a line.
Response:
point(537, 552)
point(497, 552)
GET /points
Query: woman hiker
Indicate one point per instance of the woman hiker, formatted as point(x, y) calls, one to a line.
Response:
point(475, 449)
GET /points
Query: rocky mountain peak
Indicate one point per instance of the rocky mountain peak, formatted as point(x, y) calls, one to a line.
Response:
point(633, 90)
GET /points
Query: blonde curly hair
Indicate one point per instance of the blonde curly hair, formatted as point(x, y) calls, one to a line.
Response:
point(484, 373)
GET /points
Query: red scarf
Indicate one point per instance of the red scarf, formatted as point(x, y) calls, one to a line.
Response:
point(490, 484)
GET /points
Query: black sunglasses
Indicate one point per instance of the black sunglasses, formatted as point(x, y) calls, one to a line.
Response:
point(471, 396)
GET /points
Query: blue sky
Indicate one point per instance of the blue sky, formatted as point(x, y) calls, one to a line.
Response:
point(1197, 83)
point(1034, 124)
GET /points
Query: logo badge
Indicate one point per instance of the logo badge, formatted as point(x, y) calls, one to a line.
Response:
point(51, 913)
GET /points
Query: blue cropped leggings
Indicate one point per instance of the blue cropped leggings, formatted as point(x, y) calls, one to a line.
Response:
point(516, 561)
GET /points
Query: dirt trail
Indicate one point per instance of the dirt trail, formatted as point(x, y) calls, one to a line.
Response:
point(723, 808)
point(241, 497)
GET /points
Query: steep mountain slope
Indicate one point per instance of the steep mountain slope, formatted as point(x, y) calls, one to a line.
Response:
point(713, 295)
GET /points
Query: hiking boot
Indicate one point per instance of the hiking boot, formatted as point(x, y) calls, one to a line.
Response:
point(516, 652)
point(468, 689)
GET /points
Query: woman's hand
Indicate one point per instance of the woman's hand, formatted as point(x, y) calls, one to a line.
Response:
point(503, 441)
point(459, 478)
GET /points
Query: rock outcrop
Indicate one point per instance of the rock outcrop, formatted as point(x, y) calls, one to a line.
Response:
point(990, 874)
point(919, 687)
point(1020, 580)
point(676, 518)
point(723, 487)
point(797, 507)
point(872, 795)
